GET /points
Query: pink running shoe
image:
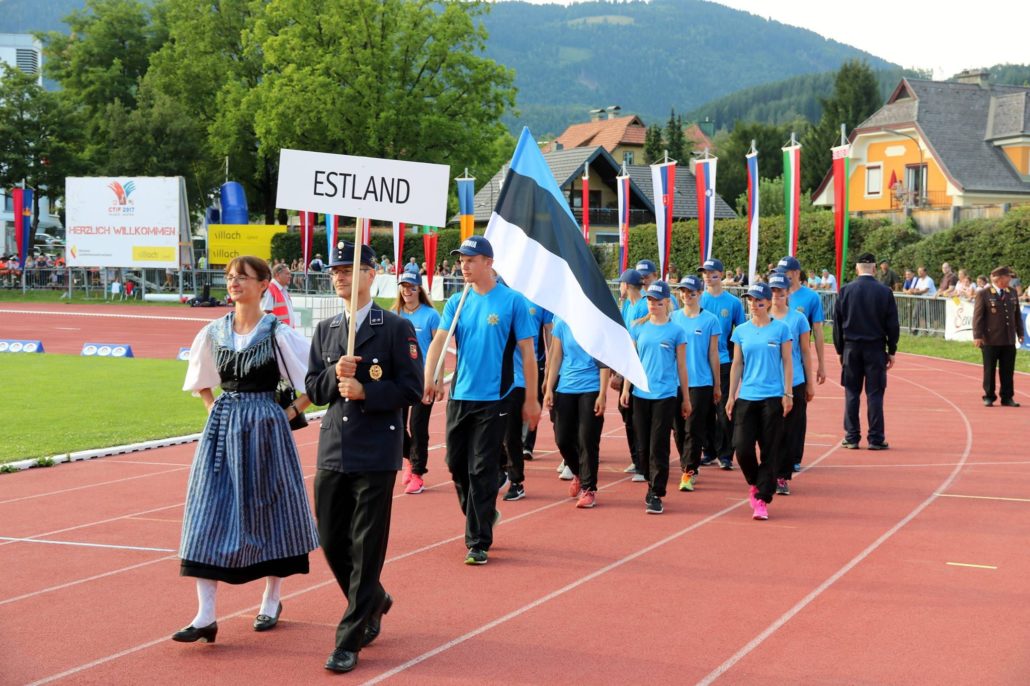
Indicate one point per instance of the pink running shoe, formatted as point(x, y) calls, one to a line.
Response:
point(575, 487)
point(761, 510)
point(586, 500)
point(406, 472)
point(752, 491)
point(415, 485)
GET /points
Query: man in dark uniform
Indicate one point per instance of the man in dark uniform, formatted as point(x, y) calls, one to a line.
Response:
point(997, 323)
point(865, 334)
point(359, 447)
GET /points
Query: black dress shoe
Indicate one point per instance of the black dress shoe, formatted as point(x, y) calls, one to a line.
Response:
point(1009, 403)
point(264, 622)
point(878, 446)
point(374, 625)
point(192, 634)
point(988, 403)
point(341, 661)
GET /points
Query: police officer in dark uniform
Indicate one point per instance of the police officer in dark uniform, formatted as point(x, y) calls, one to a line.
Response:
point(865, 334)
point(997, 323)
point(359, 447)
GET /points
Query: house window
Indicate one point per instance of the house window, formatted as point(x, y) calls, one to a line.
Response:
point(627, 157)
point(873, 180)
point(915, 180)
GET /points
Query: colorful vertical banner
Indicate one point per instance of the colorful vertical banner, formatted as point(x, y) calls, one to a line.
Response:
point(586, 205)
point(792, 193)
point(752, 216)
point(366, 231)
point(704, 175)
point(332, 232)
point(622, 187)
point(398, 247)
point(841, 171)
point(21, 199)
point(663, 180)
point(307, 237)
point(429, 245)
point(466, 206)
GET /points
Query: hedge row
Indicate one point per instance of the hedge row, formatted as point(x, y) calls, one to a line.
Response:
point(286, 246)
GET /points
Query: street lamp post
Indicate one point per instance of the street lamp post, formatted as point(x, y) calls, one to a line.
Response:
point(922, 185)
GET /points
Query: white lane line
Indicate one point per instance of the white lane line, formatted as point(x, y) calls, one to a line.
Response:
point(102, 521)
point(77, 582)
point(101, 483)
point(969, 465)
point(110, 315)
point(984, 497)
point(966, 564)
point(869, 550)
point(87, 545)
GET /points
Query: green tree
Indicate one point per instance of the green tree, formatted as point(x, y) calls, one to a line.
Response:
point(654, 148)
point(856, 96)
point(733, 150)
point(770, 198)
point(675, 141)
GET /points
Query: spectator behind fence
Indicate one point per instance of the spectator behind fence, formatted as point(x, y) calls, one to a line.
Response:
point(317, 265)
point(910, 279)
point(965, 288)
point(829, 281)
point(887, 276)
point(948, 281)
point(923, 284)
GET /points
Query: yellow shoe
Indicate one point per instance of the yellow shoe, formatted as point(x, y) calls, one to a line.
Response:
point(687, 481)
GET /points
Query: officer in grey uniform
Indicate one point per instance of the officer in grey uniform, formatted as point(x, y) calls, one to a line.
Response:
point(359, 447)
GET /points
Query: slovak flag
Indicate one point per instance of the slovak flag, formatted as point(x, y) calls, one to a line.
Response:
point(623, 196)
point(663, 180)
point(704, 173)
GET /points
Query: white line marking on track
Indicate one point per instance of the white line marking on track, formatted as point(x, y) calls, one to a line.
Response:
point(77, 582)
point(869, 550)
point(984, 497)
point(102, 483)
point(966, 564)
point(102, 521)
point(87, 545)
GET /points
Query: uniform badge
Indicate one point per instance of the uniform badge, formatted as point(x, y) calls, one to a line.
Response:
point(413, 350)
point(492, 319)
point(724, 313)
point(800, 309)
point(376, 372)
point(532, 311)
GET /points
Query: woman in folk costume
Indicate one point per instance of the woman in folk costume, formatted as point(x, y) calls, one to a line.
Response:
point(247, 513)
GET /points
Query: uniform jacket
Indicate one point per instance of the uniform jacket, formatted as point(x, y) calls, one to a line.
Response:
point(997, 321)
point(865, 312)
point(365, 435)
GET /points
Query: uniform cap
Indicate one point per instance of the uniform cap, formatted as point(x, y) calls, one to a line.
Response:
point(779, 280)
point(343, 255)
point(789, 263)
point(409, 278)
point(474, 245)
point(632, 277)
point(711, 265)
point(659, 290)
point(646, 267)
point(761, 291)
point(691, 283)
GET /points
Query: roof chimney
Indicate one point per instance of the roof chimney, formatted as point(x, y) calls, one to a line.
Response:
point(976, 77)
point(597, 114)
point(613, 111)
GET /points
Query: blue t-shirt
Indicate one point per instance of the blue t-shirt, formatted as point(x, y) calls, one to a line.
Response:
point(807, 302)
point(487, 334)
point(540, 316)
point(656, 345)
point(730, 313)
point(579, 371)
point(763, 364)
point(631, 312)
point(699, 330)
point(426, 321)
point(798, 325)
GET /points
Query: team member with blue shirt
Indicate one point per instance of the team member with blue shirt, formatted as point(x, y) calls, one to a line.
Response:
point(727, 308)
point(493, 321)
point(633, 306)
point(414, 305)
point(702, 329)
point(662, 349)
point(760, 396)
point(803, 383)
point(578, 403)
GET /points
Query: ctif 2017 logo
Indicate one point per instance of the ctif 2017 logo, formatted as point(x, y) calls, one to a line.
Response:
point(123, 205)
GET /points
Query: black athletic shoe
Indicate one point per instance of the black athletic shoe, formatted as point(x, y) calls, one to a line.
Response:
point(878, 446)
point(515, 492)
point(708, 460)
point(849, 445)
point(475, 556)
point(726, 465)
point(654, 505)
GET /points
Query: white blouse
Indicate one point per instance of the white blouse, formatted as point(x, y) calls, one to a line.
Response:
point(293, 350)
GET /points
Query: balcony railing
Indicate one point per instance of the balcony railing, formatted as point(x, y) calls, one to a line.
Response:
point(601, 216)
point(903, 199)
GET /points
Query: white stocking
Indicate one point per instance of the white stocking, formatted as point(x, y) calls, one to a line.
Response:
point(270, 601)
point(207, 590)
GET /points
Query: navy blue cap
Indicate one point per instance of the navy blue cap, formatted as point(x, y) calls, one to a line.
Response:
point(632, 277)
point(474, 245)
point(779, 280)
point(659, 290)
point(409, 278)
point(789, 263)
point(712, 265)
point(646, 267)
point(343, 255)
point(691, 283)
point(760, 291)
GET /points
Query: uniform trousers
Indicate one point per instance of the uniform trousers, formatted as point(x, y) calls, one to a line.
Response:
point(474, 433)
point(1002, 358)
point(512, 459)
point(719, 442)
point(577, 431)
point(761, 422)
point(529, 435)
point(795, 425)
point(690, 433)
point(652, 421)
point(416, 436)
point(631, 435)
point(864, 363)
point(353, 512)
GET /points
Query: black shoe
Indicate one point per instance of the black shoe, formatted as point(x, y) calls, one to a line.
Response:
point(341, 661)
point(476, 556)
point(192, 634)
point(1009, 403)
point(878, 446)
point(264, 622)
point(515, 492)
point(654, 505)
point(850, 445)
point(726, 465)
point(527, 455)
point(988, 402)
point(375, 622)
point(502, 481)
point(708, 460)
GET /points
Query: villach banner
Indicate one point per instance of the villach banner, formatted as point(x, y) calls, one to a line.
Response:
point(125, 222)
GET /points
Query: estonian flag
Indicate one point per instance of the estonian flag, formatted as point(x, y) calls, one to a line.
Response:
point(539, 251)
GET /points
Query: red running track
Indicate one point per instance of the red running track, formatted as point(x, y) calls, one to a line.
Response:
point(906, 566)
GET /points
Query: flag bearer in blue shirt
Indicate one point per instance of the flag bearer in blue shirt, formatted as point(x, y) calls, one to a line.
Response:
point(760, 396)
point(705, 390)
point(493, 322)
point(576, 389)
point(662, 349)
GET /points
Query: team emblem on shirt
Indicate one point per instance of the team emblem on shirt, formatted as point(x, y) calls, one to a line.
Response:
point(492, 319)
point(800, 309)
point(532, 311)
point(412, 349)
point(724, 313)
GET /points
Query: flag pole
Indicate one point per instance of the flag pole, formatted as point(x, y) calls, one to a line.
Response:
point(355, 267)
point(438, 372)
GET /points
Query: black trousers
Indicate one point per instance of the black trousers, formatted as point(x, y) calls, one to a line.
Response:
point(474, 433)
point(792, 441)
point(512, 459)
point(577, 431)
point(719, 441)
point(529, 435)
point(1002, 358)
point(690, 433)
point(761, 422)
point(864, 364)
point(416, 436)
point(631, 434)
point(652, 421)
point(353, 512)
